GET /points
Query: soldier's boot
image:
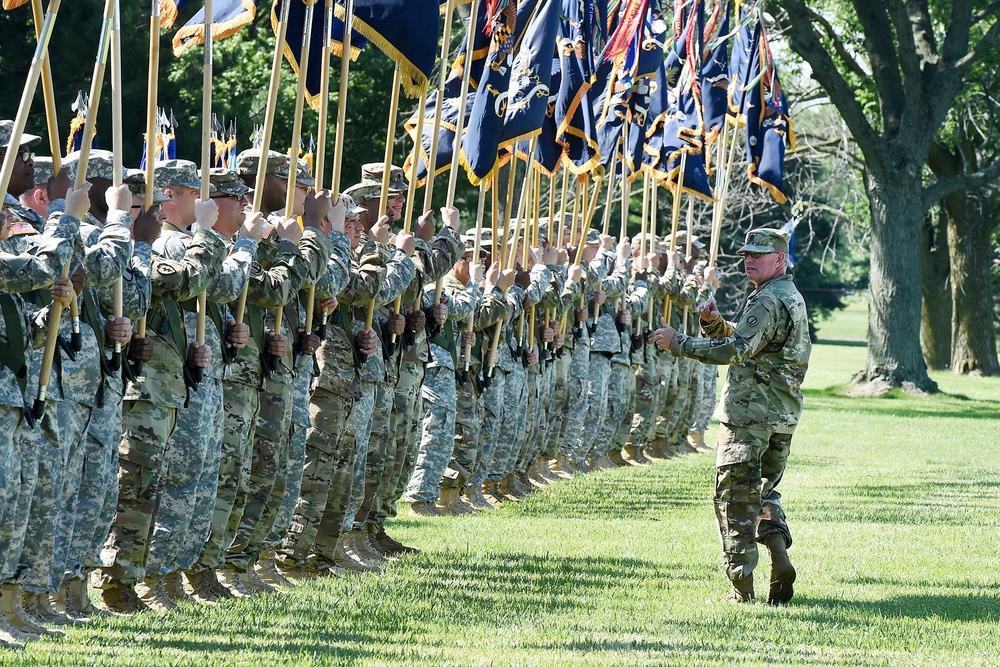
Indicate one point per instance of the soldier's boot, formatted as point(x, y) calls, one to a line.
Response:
point(517, 487)
point(200, 586)
point(443, 503)
point(230, 579)
point(450, 502)
point(122, 599)
point(60, 602)
point(78, 600)
point(742, 590)
point(502, 493)
point(42, 608)
point(615, 455)
point(605, 463)
point(633, 454)
point(349, 560)
point(492, 494)
point(563, 466)
point(268, 571)
point(254, 582)
point(535, 477)
point(780, 589)
point(13, 609)
point(363, 547)
point(18, 632)
point(153, 594)
point(11, 637)
point(354, 551)
point(375, 545)
point(391, 546)
point(424, 508)
point(697, 440)
point(173, 584)
point(474, 493)
point(545, 469)
point(218, 587)
point(28, 603)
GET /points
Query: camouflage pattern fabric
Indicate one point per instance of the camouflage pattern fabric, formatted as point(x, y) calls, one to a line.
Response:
point(437, 435)
point(381, 452)
point(404, 428)
point(468, 450)
point(708, 377)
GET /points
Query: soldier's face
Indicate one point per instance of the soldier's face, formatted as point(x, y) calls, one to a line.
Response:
point(462, 268)
point(231, 214)
point(180, 208)
point(761, 268)
point(353, 229)
point(395, 207)
point(5, 221)
point(22, 178)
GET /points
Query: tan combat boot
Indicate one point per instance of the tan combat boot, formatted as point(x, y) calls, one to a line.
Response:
point(40, 605)
point(742, 591)
point(154, 595)
point(78, 599)
point(230, 579)
point(391, 546)
point(633, 454)
point(254, 583)
point(269, 573)
point(474, 494)
point(173, 584)
point(364, 547)
point(349, 560)
point(16, 616)
point(491, 494)
point(563, 466)
point(545, 468)
point(122, 599)
point(11, 637)
point(200, 589)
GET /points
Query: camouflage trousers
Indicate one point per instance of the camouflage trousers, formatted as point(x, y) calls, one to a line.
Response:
point(98, 494)
point(577, 382)
point(533, 426)
point(10, 481)
point(466, 457)
point(558, 407)
point(675, 428)
point(614, 412)
point(327, 471)
point(404, 429)
point(354, 441)
point(512, 424)
point(191, 456)
point(670, 399)
point(240, 405)
point(598, 374)
point(380, 459)
point(437, 435)
point(52, 516)
point(293, 487)
point(650, 385)
point(493, 410)
point(146, 428)
point(265, 486)
point(625, 425)
point(749, 466)
point(705, 396)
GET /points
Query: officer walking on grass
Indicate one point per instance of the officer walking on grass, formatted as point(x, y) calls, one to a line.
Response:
point(767, 349)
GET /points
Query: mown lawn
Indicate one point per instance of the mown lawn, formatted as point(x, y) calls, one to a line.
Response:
point(894, 505)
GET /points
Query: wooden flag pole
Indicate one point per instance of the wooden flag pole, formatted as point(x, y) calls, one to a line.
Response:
point(606, 225)
point(274, 86)
point(675, 216)
point(687, 251)
point(432, 157)
point(390, 137)
point(118, 146)
point(536, 191)
point(48, 91)
point(654, 206)
point(525, 242)
point(721, 203)
point(293, 150)
point(462, 103)
point(198, 374)
point(345, 66)
point(554, 241)
point(411, 193)
point(477, 242)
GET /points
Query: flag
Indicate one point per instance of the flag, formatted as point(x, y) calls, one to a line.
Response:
point(407, 31)
point(81, 106)
point(715, 76)
point(740, 59)
point(446, 136)
point(789, 228)
point(480, 145)
point(13, 4)
point(228, 17)
point(169, 9)
point(480, 49)
point(531, 72)
point(576, 127)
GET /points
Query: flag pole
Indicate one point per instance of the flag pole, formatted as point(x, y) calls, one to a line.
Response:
point(533, 237)
point(654, 203)
point(293, 150)
point(411, 193)
point(606, 226)
point(462, 103)
point(675, 216)
point(687, 251)
point(118, 146)
point(720, 205)
point(96, 86)
point(265, 143)
point(553, 241)
point(467, 349)
point(390, 137)
point(51, 117)
point(432, 158)
point(345, 66)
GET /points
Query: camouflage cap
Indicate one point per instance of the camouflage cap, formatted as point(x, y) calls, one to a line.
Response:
point(100, 165)
point(650, 241)
point(247, 162)
point(681, 242)
point(362, 192)
point(765, 241)
point(485, 239)
point(373, 172)
point(7, 129)
point(170, 173)
point(135, 179)
point(303, 176)
point(543, 230)
point(593, 236)
point(352, 208)
point(43, 169)
point(227, 181)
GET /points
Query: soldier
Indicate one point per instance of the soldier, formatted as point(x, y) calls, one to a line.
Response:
point(40, 268)
point(767, 350)
point(192, 453)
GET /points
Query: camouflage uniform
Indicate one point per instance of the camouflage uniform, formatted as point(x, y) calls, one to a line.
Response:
point(767, 350)
point(708, 376)
point(150, 409)
point(192, 454)
point(558, 409)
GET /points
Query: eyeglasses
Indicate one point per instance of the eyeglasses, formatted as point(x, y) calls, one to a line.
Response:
point(755, 255)
point(155, 208)
point(26, 156)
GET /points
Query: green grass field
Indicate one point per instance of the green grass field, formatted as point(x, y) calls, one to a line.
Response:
point(894, 505)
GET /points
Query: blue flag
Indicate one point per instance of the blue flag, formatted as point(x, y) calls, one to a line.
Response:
point(531, 73)
point(228, 17)
point(740, 60)
point(715, 78)
point(576, 127)
point(169, 9)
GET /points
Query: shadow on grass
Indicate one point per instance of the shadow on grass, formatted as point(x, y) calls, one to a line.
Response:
point(948, 406)
point(966, 608)
point(842, 342)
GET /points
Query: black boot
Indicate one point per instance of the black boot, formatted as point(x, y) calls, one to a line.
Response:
point(742, 590)
point(782, 573)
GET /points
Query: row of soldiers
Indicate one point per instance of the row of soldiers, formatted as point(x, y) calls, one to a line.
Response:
point(276, 448)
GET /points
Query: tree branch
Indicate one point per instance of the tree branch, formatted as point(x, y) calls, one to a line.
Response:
point(885, 61)
point(838, 44)
point(910, 59)
point(946, 186)
point(803, 38)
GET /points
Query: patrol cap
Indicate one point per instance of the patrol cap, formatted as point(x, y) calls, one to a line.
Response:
point(593, 236)
point(248, 161)
point(171, 173)
point(303, 175)
point(43, 169)
point(543, 230)
point(7, 129)
point(373, 172)
point(227, 182)
point(362, 192)
point(352, 208)
point(135, 179)
point(765, 241)
point(485, 239)
point(649, 239)
point(100, 165)
point(682, 241)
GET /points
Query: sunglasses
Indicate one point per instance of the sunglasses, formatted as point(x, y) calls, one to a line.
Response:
point(755, 255)
point(225, 196)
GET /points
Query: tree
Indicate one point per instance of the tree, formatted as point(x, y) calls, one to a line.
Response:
point(918, 56)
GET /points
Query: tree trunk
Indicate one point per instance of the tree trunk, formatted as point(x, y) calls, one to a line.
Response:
point(970, 231)
point(894, 355)
point(935, 326)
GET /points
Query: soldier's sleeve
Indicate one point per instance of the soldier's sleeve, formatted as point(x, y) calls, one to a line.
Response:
point(399, 272)
point(338, 267)
point(187, 278)
point(539, 283)
point(492, 307)
point(279, 283)
point(719, 328)
point(367, 276)
point(46, 260)
point(105, 260)
point(756, 328)
point(688, 295)
point(461, 302)
point(316, 249)
point(444, 251)
point(557, 281)
point(637, 298)
point(617, 281)
point(228, 283)
point(137, 290)
point(515, 302)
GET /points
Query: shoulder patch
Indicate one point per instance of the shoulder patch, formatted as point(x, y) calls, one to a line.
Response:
point(22, 229)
